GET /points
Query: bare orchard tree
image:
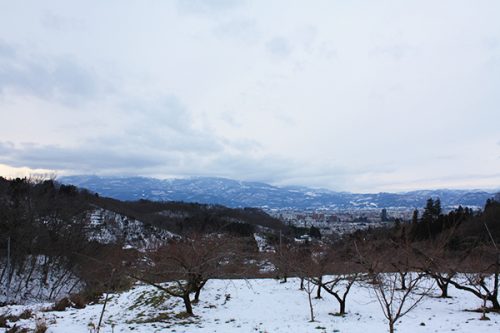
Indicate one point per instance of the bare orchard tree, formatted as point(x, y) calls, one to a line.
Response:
point(396, 302)
point(283, 260)
point(480, 275)
point(339, 286)
point(305, 266)
point(188, 264)
point(309, 289)
point(320, 258)
point(442, 277)
point(335, 272)
point(290, 260)
point(436, 262)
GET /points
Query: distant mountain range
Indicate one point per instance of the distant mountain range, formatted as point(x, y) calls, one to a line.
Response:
point(232, 193)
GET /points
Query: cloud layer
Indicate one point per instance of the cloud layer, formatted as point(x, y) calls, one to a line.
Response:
point(360, 96)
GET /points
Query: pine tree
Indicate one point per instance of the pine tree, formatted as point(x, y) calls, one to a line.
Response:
point(414, 218)
point(428, 214)
point(436, 209)
point(383, 215)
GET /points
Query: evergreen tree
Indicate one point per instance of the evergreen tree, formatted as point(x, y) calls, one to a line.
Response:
point(428, 214)
point(383, 215)
point(315, 232)
point(397, 224)
point(436, 208)
point(414, 218)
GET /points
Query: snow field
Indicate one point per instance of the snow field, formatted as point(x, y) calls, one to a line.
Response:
point(262, 305)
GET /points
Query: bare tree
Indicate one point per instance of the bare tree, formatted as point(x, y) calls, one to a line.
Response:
point(474, 267)
point(480, 275)
point(283, 260)
point(439, 258)
point(305, 266)
point(309, 289)
point(395, 302)
point(339, 286)
point(438, 263)
point(188, 264)
point(334, 272)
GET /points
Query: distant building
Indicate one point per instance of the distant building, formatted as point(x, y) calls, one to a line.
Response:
point(304, 239)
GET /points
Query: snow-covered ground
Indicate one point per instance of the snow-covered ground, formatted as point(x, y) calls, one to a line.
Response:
point(262, 305)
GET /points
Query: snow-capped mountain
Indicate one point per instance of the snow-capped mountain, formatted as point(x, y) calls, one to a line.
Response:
point(234, 193)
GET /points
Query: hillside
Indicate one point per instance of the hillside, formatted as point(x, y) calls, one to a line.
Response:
point(49, 232)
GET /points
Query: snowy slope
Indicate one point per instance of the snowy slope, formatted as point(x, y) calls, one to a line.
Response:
point(107, 227)
point(38, 278)
point(264, 305)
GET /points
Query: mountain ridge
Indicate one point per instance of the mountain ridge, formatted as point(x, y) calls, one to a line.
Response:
point(235, 193)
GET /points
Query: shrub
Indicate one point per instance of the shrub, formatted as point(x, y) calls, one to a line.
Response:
point(62, 304)
point(41, 326)
point(78, 301)
point(3, 321)
point(26, 314)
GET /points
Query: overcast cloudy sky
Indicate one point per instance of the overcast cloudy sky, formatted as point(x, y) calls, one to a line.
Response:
point(347, 95)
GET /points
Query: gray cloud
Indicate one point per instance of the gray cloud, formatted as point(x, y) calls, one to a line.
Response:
point(242, 30)
point(396, 51)
point(279, 46)
point(207, 7)
point(154, 136)
point(347, 96)
point(165, 123)
point(108, 157)
point(162, 111)
point(6, 148)
point(60, 23)
point(86, 157)
point(7, 50)
point(57, 78)
point(246, 167)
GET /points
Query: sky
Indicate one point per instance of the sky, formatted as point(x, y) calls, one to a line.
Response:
point(360, 96)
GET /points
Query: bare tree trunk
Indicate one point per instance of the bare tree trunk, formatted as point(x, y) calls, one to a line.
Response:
point(391, 326)
point(495, 303)
point(197, 295)
point(496, 282)
point(198, 290)
point(32, 269)
point(309, 292)
point(57, 283)
point(444, 288)
point(187, 304)
point(484, 317)
point(45, 270)
point(318, 292)
point(342, 307)
point(403, 280)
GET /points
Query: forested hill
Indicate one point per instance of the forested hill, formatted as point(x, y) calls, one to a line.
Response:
point(51, 234)
point(40, 213)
